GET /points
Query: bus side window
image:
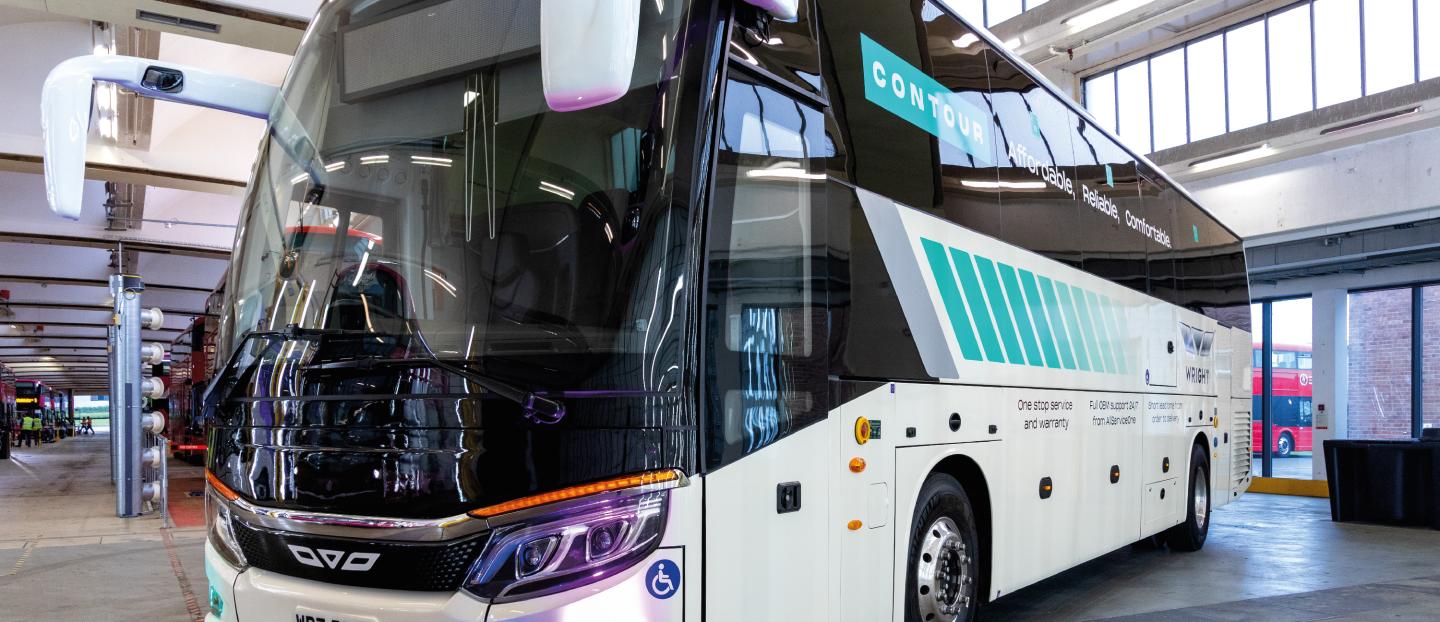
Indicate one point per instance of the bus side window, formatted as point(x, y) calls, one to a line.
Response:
point(766, 320)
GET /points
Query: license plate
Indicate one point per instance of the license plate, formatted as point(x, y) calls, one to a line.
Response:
point(306, 614)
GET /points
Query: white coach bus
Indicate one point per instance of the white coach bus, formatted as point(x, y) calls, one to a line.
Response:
point(684, 310)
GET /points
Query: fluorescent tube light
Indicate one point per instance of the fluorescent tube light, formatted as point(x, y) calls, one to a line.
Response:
point(785, 170)
point(1104, 12)
point(1232, 158)
point(1006, 185)
point(560, 191)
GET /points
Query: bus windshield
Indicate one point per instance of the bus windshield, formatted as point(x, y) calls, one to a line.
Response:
point(415, 198)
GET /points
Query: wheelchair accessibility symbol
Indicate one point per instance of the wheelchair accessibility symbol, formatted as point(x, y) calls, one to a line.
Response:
point(663, 579)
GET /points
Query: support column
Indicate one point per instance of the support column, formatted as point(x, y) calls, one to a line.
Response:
point(1331, 374)
point(125, 394)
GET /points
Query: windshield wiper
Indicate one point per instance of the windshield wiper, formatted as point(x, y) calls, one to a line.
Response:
point(535, 407)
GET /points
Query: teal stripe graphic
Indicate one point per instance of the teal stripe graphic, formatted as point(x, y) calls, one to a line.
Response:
point(1093, 331)
point(1072, 325)
point(1108, 345)
point(1022, 319)
point(950, 295)
point(997, 308)
point(1111, 315)
point(1042, 324)
point(983, 326)
point(1052, 308)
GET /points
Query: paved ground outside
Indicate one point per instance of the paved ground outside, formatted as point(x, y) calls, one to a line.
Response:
point(65, 556)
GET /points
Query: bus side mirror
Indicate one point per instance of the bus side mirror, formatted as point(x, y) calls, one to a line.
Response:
point(66, 98)
point(587, 51)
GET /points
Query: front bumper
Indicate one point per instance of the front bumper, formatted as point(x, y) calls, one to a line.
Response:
point(638, 593)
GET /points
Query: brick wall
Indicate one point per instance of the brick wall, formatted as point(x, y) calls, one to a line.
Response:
point(1380, 324)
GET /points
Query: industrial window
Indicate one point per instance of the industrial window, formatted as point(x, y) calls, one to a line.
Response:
point(1337, 61)
point(1133, 91)
point(1205, 61)
point(1167, 93)
point(1100, 97)
point(1389, 44)
point(990, 12)
point(1245, 76)
point(1289, 44)
point(1297, 58)
point(1427, 25)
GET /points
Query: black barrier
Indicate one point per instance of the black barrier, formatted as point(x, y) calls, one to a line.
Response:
point(1389, 482)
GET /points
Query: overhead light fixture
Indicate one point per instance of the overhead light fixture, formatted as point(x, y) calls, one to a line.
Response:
point(981, 184)
point(1232, 158)
point(430, 161)
point(1354, 125)
point(784, 170)
point(1104, 12)
point(374, 159)
point(966, 40)
point(334, 166)
point(559, 191)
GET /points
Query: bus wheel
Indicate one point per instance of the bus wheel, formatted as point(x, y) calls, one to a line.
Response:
point(1284, 445)
point(944, 561)
point(1190, 535)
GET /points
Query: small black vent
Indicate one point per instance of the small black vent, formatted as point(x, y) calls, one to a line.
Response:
point(180, 22)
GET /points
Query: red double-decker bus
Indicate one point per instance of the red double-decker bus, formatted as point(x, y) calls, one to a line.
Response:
point(1291, 416)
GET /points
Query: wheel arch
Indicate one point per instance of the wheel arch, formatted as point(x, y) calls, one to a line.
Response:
point(972, 478)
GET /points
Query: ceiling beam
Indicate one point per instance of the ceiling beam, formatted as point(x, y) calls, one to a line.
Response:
point(74, 306)
point(110, 244)
point(51, 280)
point(4, 347)
point(83, 325)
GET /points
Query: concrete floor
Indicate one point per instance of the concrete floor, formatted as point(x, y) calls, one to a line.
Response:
point(64, 556)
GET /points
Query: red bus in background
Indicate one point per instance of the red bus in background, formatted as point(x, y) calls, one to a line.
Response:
point(1291, 417)
point(192, 363)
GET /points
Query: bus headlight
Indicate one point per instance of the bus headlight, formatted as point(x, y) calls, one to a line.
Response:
point(569, 547)
point(219, 532)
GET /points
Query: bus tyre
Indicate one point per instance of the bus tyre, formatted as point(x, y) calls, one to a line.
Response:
point(1284, 445)
point(1190, 535)
point(943, 566)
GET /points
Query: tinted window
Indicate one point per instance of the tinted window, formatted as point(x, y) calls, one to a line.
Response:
point(766, 325)
point(883, 152)
point(969, 183)
point(1108, 187)
point(1210, 264)
point(1157, 208)
point(1037, 176)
